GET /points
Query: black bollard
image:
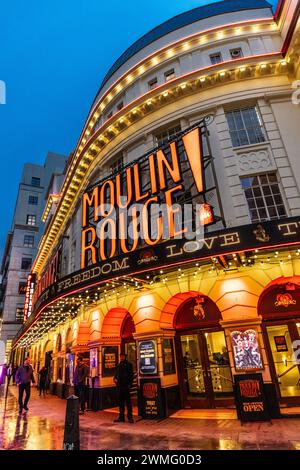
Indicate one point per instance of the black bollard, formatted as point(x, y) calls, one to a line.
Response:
point(71, 436)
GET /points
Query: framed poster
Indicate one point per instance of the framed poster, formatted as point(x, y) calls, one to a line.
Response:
point(94, 362)
point(246, 350)
point(168, 355)
point(147, 357)
point(250, 398)
point(109, 360)
point(281, 344)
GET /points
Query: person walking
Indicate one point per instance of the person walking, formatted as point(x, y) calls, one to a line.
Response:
point(43, 375)
point(123, 379)
point(80, 374)
point(9, 373)
point(24, 377)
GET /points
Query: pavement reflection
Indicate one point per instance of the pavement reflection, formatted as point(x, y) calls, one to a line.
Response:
point(42, 428)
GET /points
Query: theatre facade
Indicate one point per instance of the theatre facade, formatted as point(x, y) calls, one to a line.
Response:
point(175, 237)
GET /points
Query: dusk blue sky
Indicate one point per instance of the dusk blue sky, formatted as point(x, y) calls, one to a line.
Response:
point(54, 54)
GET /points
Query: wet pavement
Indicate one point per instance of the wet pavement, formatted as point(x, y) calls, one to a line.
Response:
point(42, 428)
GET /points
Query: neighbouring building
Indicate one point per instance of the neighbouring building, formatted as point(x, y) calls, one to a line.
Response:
point(22, 242)
point(202, 111)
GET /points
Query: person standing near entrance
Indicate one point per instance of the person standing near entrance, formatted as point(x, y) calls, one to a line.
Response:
point(24, 377)
point(123, 379)
point(43, 375)
point(80, 375)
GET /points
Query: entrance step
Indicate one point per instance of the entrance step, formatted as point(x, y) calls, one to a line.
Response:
point(205, 414)
point(290, 411)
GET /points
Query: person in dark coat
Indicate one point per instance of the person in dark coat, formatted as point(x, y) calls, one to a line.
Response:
point(24, 377)
point(80, 374)
point(123, 379)
point(43, 376)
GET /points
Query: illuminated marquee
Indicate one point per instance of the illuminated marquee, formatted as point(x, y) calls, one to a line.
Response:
point(172, 175)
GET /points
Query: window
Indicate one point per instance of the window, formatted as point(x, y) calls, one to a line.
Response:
point(31, 219)
point(216, 58)
point(164, 136)
point(20, 314)
point(169, 75)
point(117, 165)
point(22, 288)
point(245, 127)
point(263, 197)
point(28, 241)
point(152, 83)
point(109, 115)
point(120, 106)
point(26, 263)
point(35, 181)
point(236, 53)
point(33, 200)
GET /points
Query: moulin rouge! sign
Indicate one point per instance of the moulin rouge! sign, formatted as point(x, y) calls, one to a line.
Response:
point(166, 177)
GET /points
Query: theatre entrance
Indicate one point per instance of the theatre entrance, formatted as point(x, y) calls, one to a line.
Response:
point(203, 367)
point(128, 346)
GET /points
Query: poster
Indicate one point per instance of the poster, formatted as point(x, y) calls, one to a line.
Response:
point(71, 368)
point(246, 350)
point(167, 345)
point(109, 360)
point(151, 399)
point(94, 362)
point(250, 398)
point(281, 344)
point(147, 357)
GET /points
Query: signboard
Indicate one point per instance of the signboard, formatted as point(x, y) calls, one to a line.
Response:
point(250, 398)
point(109, 360)
point(29, 293)
point(281, 344)
point(147, 357)
point(151, 399)
point(246, 350)
point(119, 208)
point(94, 362)
point(283, 232)
point(168, 355)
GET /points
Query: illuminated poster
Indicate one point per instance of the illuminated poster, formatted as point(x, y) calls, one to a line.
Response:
point(94, 362)
point(246, 350)
point(71, 368)
point(109, 360)
point(147, 357)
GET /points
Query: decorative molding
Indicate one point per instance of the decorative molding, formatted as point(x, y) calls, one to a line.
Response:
point(255, 160)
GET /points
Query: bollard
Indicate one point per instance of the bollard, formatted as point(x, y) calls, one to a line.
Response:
point(71, 435)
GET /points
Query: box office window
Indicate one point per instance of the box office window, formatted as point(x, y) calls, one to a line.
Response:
point(245, 126)
point(263, 197)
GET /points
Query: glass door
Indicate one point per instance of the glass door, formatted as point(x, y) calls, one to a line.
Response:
point(196, 386)
point(207, 373)
point(218, 367)
point(281, 338)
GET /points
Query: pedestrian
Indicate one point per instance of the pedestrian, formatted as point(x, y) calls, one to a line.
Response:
point(123, 379)
point(80, 374)
point(24, 377)
point(15, 368)
point(9, 373)
point(43, 376)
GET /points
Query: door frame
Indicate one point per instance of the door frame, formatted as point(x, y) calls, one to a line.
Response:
point(294, 335)
point(210, 401)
